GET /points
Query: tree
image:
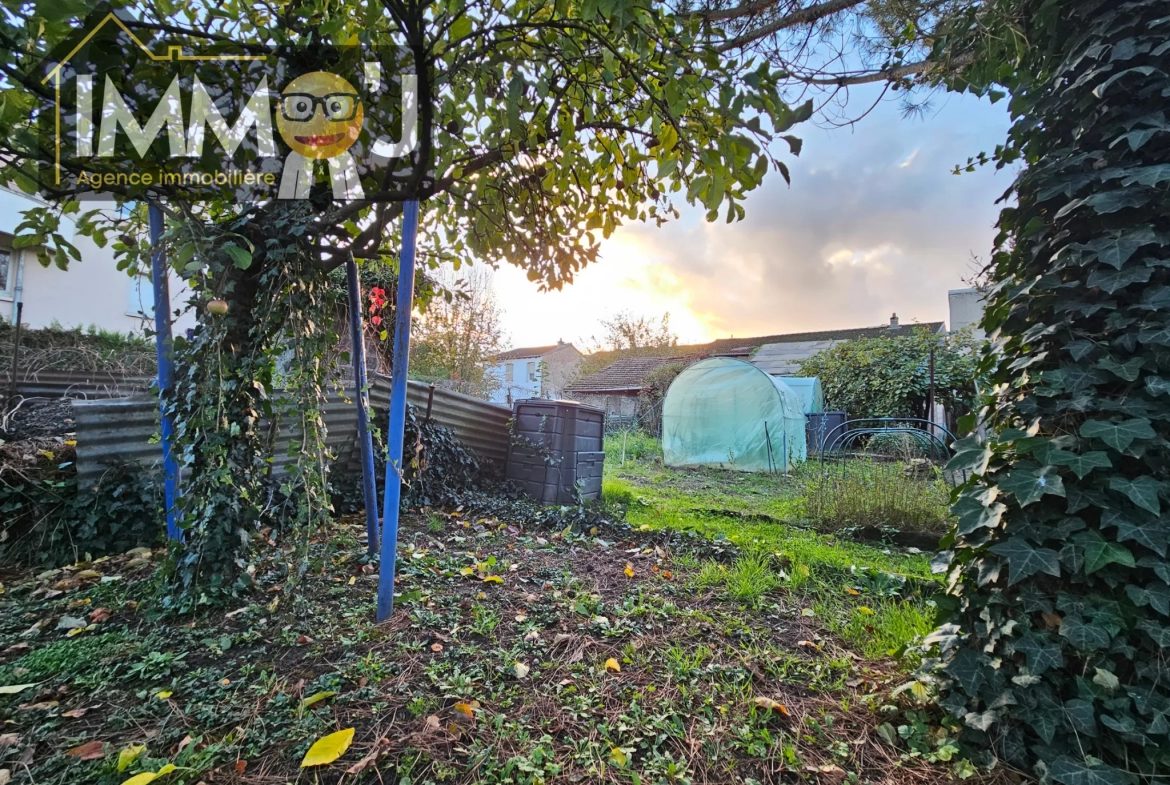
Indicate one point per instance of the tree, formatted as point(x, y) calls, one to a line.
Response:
point(542, 127)
point(1054, 656)
point(889, 376)
point(623, 330)
point(459, 332)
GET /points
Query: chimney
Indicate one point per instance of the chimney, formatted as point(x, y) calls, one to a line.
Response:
point(893, 320)
point(560, 342)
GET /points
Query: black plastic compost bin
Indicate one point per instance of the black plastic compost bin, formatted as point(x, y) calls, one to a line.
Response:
point(556, 450)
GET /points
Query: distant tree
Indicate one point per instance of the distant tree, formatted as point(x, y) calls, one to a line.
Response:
point(459, 332)
point(624, 330)
point(890, 376)
point(656, 383)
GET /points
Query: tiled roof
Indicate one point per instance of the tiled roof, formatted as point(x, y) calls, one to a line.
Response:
point(529, 351)
point(626, 374)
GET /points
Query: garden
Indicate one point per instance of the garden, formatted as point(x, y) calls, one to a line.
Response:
point(695, 626)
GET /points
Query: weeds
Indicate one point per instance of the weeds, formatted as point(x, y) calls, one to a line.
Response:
point(904, 495)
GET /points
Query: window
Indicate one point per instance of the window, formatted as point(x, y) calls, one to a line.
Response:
point(532, 372)
point(140, 297)
point(509, 374)
point(5, 269)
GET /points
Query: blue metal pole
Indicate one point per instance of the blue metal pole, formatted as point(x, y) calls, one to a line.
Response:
point(362, 393)
point(394, 434)
point(166, 366)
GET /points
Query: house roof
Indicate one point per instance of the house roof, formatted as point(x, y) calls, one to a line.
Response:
point(737, 346)
point(527, 351)
point(626, 375)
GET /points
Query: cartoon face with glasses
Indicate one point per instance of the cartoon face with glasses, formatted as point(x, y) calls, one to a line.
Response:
point(320, 115)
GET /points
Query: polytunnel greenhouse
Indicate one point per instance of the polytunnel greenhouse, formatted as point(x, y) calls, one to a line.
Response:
point(728, 413)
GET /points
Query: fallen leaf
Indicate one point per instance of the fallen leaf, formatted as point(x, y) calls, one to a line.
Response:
point(629, 571)
point(129, 755)
point(150, 776)
point(612, 665)
point(618, 757)
point(5, 776)
point(493, 579)
point(868, 611)
point(99, 615)
point(667, 574)
point(88, 575)
point(91, 750)
point(521, 618)
point(520, 669)
point(436, 647)
point(770, 705)
point(352, 580)
point(328, 748)
point(76, 713)
point(75, 632)
point(808, 645)
point(240, 766)
point(12, 689)
point(316, 698)
point(9, 740)
point(467, 709)
point(42, 706)
point(162, 696)
point(185, 742)
point(367, 761)
point(432, 722)
point(808, 612)
point(852, 592)
point(225, 682)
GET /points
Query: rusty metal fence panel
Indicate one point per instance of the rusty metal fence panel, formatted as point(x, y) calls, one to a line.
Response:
point(125, 430)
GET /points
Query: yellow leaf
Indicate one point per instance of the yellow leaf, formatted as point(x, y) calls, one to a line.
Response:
point(15, 688)
point(129, 755)
point(47, 454)
point(352, 580)
point(75, 632)
point(493, 579)
point(166, 769)
point(866, 610)
point(852, 592)
point(520, 669)
point(467, 709)
point(612, 665)
point(629, 570)
point(89, 574)
point(327, 749)
point(314, 699)
point(467, 571)
point(71, 442)
point(141, 779)
point(162, 696)
point(618, 757)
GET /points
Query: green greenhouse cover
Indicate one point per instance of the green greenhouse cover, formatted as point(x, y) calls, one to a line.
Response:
point(726, 412)
point(808, 390)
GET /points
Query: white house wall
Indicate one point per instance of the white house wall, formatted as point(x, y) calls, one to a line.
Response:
point(92, 292)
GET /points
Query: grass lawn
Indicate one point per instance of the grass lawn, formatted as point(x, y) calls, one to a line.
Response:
point(765, 513)
point(756, 653)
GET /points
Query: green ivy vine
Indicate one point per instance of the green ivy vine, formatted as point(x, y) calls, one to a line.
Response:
point(1057, 653)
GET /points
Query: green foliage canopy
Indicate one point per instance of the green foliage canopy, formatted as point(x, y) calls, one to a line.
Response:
point(889, 376)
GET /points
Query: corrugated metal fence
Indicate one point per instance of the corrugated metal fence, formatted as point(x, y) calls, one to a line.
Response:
point(74, 384)
point(120, 431)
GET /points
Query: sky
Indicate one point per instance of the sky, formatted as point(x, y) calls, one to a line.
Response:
point(874, 223)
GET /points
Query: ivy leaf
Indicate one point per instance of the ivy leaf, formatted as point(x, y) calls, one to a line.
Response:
point(1028, 485)
point(970, 456)
point(1156, 595)
point(1084, 636)
point(1041, 656)
point(1082, 463)
point(1143, 491)
point(1159, 634)
point(1081, 717)
point(1128, 370)
point(1115, 251)
point(1068, 771)
point(976, 509)
point(1099, 552)
point(1113, 280)
point(1118, 435)
point(1024, 560)
point(1150, 533)
point(967, 669)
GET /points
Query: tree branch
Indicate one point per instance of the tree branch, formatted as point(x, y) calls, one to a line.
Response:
point(803, 16)
point(749, 8)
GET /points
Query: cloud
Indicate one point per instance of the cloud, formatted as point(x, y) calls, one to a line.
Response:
point(874, 223)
